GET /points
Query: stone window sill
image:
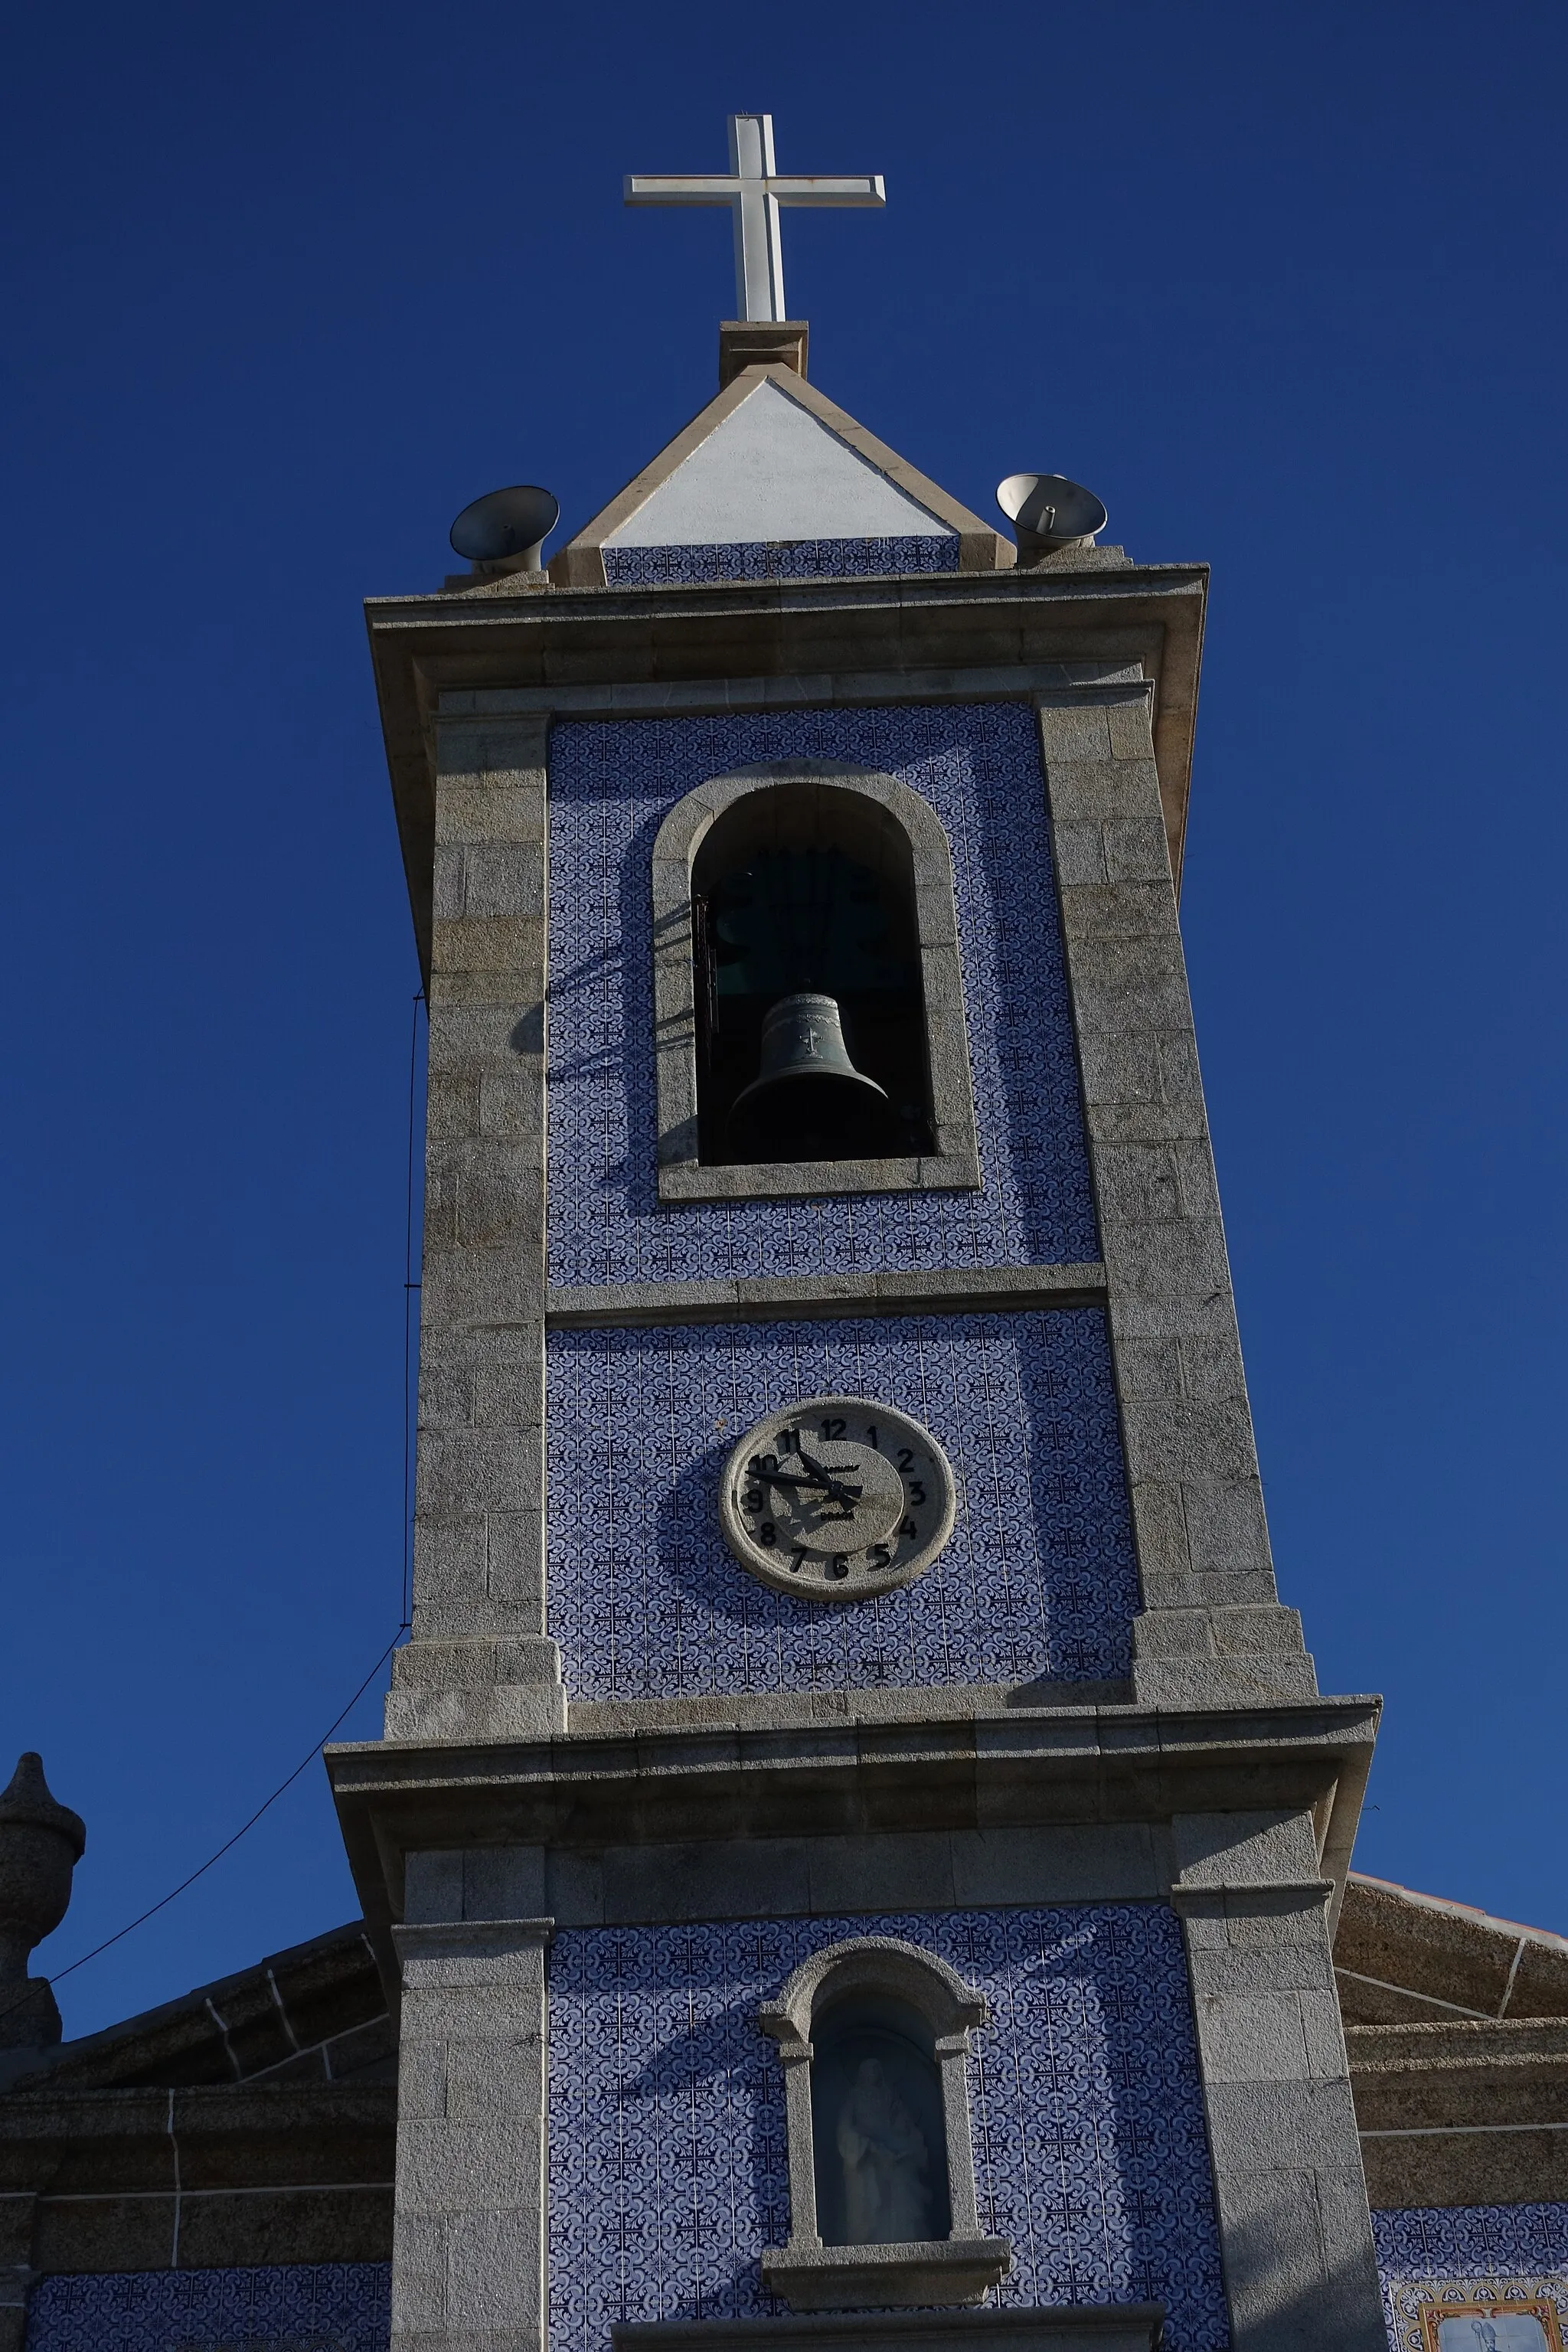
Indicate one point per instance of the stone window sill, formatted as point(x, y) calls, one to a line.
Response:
point(840, 2278)
point(934, 1171)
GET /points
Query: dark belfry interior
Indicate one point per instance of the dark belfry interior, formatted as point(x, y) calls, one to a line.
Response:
point(810, 1017)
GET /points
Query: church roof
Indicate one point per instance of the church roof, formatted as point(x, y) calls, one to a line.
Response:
point(773, 481)
point(316, 2013)
point(1404, 1958)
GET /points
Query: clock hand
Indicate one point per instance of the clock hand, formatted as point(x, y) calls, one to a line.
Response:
point(823, 1482)
point(835, 1486)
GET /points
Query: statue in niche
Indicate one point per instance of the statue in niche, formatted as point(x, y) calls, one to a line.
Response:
point(887, 2191)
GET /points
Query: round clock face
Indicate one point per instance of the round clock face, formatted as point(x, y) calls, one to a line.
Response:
point(836, 1499)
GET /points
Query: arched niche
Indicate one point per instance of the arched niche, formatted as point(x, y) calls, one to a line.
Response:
point(874, 2037)
point(860, 838)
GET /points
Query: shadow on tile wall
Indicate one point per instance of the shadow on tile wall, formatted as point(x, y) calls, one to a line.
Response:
point(1039, 1578)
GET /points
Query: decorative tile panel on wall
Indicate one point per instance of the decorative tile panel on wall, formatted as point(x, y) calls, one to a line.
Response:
point(611, 785)
point(1469, 2253)
point(666, 2135)
point(646, 1600)
point(310, 2307)
point(788, 559)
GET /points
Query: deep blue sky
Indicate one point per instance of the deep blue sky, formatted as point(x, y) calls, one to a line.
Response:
point(285, 287)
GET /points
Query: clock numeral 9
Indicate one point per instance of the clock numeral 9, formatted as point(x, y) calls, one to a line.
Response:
point(751, 1501)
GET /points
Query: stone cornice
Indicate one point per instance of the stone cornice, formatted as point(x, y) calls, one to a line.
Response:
point(747, 641)
point(1003, 1766)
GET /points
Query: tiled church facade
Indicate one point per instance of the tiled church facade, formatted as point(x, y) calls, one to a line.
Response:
point(667, 2137)
point(1081, 1761)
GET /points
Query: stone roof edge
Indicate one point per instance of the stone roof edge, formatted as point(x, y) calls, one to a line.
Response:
point(1447, 1907)
point(148, 2023)
point(581, 563)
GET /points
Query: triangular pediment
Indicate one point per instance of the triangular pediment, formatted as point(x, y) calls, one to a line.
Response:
point(773, 481)
point(772, 470)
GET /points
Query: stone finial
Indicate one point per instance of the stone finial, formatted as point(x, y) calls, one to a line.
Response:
point(40, 1845)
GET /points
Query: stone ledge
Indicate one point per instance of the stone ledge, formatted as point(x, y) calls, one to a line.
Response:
point(692, 1180)
point(697, 697)
point(1231, 1897)
point(1060, 2328)
point(816, 1298)
point(785, 1710)
point(840, 2278)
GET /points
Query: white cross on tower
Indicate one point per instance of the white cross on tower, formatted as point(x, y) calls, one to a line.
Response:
point(753, 191)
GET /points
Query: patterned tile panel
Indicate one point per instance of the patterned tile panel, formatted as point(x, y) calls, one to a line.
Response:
point(1469, 2253)
point(646, 1601)
point(311, 2307)
point(611, 784)
point(795, 559)
point(667, 2137)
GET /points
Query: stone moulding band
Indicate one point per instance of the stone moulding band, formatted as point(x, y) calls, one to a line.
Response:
point(1111, 681)
point(1252, 1894)
point(1079, 2327)
point(1022, 1290)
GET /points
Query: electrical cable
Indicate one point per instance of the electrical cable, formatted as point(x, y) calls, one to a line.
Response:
point(409, 1288)
point(166, 1900)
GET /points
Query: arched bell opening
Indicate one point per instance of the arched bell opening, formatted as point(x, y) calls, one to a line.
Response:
point(879, 2132)
point(811, 1035)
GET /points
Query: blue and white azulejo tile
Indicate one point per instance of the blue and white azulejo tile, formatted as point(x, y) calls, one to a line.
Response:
point(788, 559)
point(300, 2307)
point(668, 2162)
point(612, 783)
point(1039, 1578)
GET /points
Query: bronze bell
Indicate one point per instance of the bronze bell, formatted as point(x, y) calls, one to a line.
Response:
point(809, 1101)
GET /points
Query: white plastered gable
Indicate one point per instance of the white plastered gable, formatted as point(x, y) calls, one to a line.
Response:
point(769, 472)
point(772, 460)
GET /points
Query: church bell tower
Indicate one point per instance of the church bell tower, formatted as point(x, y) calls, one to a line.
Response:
point(857, 1836)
